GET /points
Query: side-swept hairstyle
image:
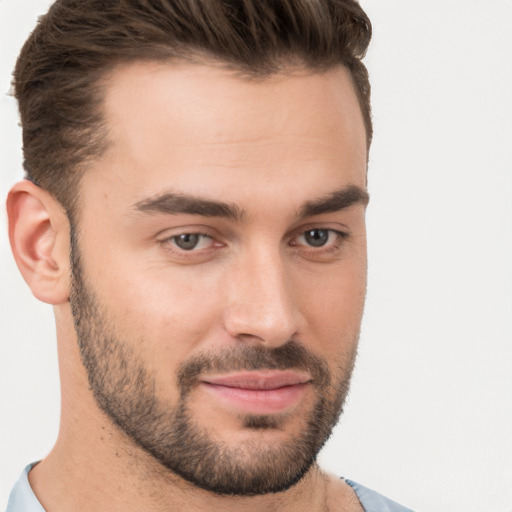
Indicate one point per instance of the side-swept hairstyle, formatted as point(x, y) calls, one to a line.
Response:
point(58, 76)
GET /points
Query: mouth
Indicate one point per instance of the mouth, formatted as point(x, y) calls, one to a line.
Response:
point(259, 392)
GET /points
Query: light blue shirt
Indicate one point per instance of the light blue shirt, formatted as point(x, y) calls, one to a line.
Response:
point(23, 499)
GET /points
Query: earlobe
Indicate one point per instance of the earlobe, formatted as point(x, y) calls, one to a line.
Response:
point(39, 236)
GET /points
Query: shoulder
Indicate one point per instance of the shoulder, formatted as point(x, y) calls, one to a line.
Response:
point(373, 501)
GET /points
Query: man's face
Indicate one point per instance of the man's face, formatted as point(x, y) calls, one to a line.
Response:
point(220, 268)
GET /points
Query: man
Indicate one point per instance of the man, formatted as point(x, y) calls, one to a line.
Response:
point(194, 212)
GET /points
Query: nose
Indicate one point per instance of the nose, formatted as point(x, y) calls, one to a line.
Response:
point(262, 304)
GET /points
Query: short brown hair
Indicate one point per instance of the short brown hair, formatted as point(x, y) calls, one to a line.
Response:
point(58, 75)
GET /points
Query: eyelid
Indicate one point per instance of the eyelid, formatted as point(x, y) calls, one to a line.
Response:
point(166, 238)
point(197, 229)
point(327, 225)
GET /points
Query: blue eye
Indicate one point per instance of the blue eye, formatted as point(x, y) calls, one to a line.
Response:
point(320, 239)
point(191, 241)
point(317, 237)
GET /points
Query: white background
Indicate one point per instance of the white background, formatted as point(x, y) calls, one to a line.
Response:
point(429, 418)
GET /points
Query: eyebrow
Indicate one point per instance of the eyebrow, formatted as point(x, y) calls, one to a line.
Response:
point(335, 201)
point(175, 203)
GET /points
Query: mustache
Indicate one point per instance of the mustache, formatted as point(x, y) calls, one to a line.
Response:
point(291, 355)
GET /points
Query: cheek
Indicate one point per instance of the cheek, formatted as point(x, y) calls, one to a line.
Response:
point(164, 315)
point(333, 305)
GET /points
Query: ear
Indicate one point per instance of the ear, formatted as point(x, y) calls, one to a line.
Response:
point(39, 236)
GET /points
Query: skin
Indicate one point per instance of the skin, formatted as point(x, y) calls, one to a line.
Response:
point(268, 147)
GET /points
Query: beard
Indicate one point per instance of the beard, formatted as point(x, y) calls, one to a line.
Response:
point(125, 390)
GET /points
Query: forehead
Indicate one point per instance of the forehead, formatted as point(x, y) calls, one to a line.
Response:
point(197, 126)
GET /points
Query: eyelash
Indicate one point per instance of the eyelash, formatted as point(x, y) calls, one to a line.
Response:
point(339, 237)
point(330, 247)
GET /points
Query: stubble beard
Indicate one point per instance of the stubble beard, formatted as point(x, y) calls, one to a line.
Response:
point(125, 390)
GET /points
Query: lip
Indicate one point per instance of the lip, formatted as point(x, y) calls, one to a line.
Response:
point(258, 392)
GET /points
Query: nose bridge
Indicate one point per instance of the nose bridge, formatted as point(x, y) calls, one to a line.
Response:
point(261, 304)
